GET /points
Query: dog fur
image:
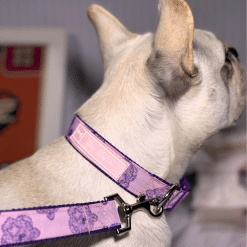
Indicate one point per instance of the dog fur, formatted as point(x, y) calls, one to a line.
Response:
point(163, 94)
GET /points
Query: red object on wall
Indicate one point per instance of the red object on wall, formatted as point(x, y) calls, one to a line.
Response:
point(20, 87)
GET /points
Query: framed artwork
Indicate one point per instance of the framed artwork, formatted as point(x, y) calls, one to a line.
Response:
point(32, 81)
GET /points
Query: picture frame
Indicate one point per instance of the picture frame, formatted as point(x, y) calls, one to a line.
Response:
point(53, 76)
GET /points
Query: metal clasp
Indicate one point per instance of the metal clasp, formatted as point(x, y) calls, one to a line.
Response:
point(153, 206)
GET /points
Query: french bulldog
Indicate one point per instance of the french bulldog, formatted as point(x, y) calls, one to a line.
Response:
point(163, 94)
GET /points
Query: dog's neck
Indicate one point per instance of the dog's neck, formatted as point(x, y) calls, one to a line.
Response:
point(140, 127)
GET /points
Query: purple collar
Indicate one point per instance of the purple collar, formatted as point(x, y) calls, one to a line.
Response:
point(41, 224)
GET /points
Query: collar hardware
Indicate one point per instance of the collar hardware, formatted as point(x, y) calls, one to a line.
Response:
point(153, 206)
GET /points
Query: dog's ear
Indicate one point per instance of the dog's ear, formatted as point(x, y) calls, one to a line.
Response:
point(110, 31)
point(171, 61)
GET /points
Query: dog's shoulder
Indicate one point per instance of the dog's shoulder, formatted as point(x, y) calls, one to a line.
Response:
point(22, 182)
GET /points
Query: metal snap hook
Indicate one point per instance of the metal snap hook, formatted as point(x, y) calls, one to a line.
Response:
point(153, 206)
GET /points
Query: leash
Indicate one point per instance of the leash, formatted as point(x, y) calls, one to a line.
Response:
point(41, 224)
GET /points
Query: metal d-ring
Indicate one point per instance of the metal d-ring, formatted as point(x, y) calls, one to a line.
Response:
point(167, 196)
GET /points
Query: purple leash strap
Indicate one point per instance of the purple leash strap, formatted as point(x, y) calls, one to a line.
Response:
point(41, 224)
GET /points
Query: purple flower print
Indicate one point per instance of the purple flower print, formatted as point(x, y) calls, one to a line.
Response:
point(50, 212)
point(128, 176)
point(79, 221)
point(156, 193)
point(18, 230)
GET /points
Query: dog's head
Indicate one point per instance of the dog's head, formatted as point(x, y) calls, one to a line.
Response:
point(190, 68)
point(183, 75)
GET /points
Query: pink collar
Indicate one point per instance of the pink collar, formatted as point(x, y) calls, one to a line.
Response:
point(147, 187)
point(41, 224)
point(120, 168)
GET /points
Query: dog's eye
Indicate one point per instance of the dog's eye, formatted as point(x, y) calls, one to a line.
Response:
point(227, 69)
point(233, 51)
point(227, 60)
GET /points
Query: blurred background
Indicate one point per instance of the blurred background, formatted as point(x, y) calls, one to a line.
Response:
point(84, 75)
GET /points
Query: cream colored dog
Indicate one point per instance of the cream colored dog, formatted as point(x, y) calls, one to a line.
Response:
point(163, 94)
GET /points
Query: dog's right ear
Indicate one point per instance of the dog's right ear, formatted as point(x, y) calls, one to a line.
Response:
point(111, 32)
point(171, 61)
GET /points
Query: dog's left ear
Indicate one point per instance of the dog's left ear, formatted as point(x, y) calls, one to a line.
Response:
point(110, 31)
point(171, 61)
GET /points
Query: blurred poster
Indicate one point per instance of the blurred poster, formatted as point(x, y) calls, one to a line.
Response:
point(20, 88)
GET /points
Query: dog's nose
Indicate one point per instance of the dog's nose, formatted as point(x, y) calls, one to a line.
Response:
point(233, 51)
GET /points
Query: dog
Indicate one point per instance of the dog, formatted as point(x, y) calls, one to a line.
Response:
point(163, 94)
